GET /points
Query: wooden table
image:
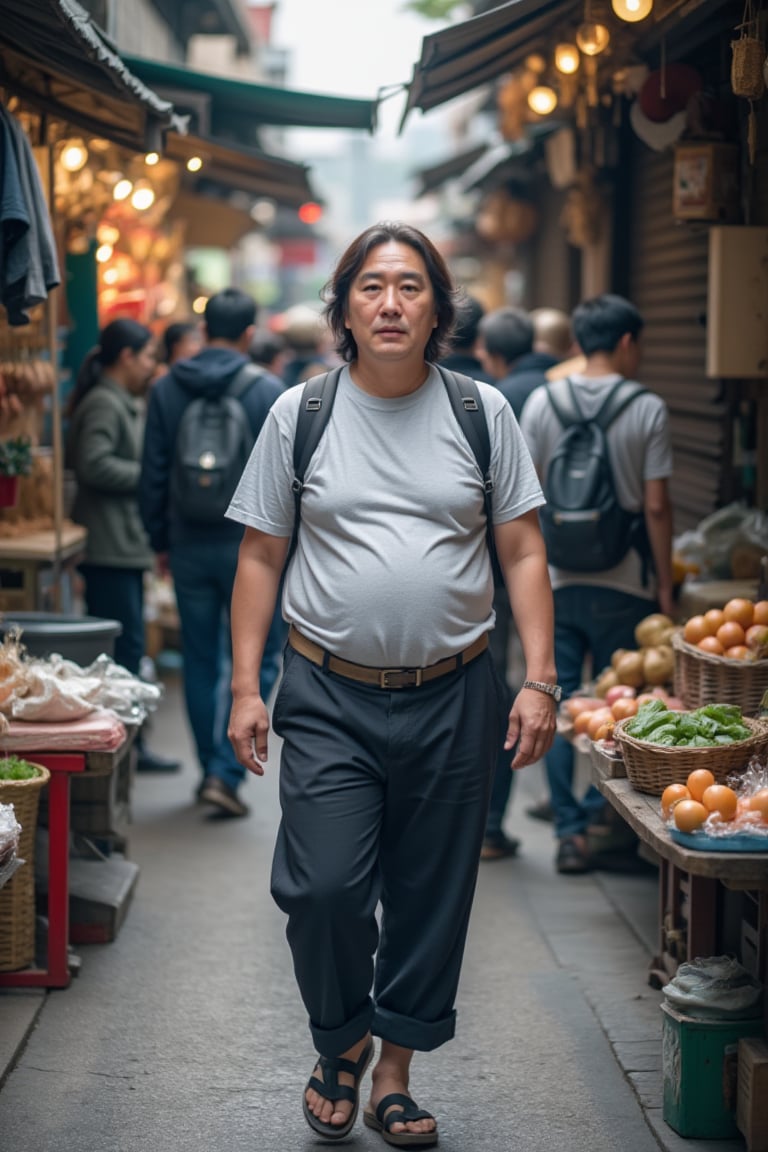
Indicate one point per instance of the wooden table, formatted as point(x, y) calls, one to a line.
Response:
point(24, 558)
point(691, 884)
point(62, 764)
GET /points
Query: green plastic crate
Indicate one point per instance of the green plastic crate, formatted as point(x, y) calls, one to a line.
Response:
point(699, 1068)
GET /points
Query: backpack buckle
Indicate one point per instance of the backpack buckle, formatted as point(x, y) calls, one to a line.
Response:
point(296, 486)
point(488, 486)
point(314, 403)
point(470, 404)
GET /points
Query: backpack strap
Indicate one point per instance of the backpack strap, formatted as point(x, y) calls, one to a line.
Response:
point(317, 397)
point(468, 409)
point(245, 376)
point(620, 397)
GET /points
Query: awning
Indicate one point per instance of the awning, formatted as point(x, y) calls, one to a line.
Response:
point(57, 61)
point(211, 223)
point(241, 169)
point(434, 176)
point(508, 161)
point(458, 59)
point(235, 107)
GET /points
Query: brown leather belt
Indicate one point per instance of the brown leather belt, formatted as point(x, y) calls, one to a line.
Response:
point(383, 677)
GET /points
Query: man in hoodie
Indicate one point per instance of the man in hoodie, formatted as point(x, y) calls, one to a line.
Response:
point(202, 556)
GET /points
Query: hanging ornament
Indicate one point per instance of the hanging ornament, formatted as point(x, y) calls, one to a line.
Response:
point(632, 10)
point(592, 38)
point(747, 63)
point(567, 59)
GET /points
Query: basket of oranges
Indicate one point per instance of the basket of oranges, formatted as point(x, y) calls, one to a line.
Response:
point(723, 655)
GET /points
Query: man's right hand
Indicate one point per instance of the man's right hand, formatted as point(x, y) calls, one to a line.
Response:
point(249, 732)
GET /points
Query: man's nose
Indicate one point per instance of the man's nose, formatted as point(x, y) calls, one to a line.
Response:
point(390, 302)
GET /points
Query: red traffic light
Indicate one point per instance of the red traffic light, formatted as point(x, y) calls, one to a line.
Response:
point(310, 212)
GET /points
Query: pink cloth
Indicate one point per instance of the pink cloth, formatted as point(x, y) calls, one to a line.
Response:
point(101, 731)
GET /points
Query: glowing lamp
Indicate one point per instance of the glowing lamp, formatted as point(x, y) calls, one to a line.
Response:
point(104, 253)
point(194, 164)
point(567, 59)
point(143, 198)
point(592, 38)
point(151, 159)
point(310, 212)
point(542, 100)
point(632, 10)
point(122, 189)
point(74, 156)
point(535, 62)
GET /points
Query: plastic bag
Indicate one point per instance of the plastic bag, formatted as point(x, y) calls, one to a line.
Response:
point(723, 543)
point(715, 988)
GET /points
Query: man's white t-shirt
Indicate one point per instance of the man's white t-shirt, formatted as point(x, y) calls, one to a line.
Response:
point(639, 447)
point(392, 566)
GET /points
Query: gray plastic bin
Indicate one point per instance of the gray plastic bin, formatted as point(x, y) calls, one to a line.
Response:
point(78, 638)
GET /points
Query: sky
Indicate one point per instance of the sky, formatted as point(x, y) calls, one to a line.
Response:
point(351, 48)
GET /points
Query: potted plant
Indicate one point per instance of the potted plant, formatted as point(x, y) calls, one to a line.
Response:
point(15, 461)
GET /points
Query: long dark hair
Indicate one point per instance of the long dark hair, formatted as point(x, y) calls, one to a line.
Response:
point(336, 291)
point(117, 335)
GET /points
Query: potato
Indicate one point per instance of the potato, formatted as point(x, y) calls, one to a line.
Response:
point(629, 669)
point(658, 664)
point(653, 630)
point(605, 681)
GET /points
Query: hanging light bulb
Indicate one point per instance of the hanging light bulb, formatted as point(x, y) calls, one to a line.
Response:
point(535, 62)
point(632, 10)
point(104, 253)
point(542, 100)
point(194, 164)
point(151, 159)
point(592, 38)
point(143, 197)
point(567, 59)
point(74, 156)
point(122, 189)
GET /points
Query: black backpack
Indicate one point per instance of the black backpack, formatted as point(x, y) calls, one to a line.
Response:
point(213, 443)
point(584, 526)
point(315, 411)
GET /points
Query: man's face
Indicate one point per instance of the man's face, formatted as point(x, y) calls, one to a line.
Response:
point(391, 306)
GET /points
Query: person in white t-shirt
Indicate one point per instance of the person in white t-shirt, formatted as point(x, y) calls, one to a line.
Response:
point(596, 612)
point(389, 709)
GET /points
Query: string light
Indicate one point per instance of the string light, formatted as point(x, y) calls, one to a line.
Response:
point(122, 189)
point(567, 59)
point(151, 159)
point(542, 99)
point(74, 156)
point(592, 38)
point(632, 10)
point(194, 164)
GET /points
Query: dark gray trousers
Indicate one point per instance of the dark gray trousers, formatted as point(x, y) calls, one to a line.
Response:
point(384, 796)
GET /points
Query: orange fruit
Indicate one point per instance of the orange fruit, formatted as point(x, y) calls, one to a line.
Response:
point(759, 803)
point(757, 637)
point(689, 815)
point(695, 629)
point(698, 782)
point(597, 718)
point(673, 794)
point(738, 652)
point(605, 731)
point(760, 613)
point(720, 798)
point(730, 634)
point(711, 644)
point(714, 618)
point(740, 611)
point(624, 707)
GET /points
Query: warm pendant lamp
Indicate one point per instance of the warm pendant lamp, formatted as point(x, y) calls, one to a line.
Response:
point(632, 10)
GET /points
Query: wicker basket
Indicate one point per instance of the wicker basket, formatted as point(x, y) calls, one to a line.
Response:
point(747, 68)
point(651, 767)
point(17, 898)
point(701, 678)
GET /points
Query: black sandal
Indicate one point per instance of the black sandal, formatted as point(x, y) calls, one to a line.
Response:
point(406, 1110)
point(330, 1089)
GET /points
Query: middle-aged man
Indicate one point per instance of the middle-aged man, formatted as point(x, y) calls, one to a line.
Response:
point(389, 708)
point(596, 611)
point(203, 554)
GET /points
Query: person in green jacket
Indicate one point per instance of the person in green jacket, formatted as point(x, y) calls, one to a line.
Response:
point(106, 433)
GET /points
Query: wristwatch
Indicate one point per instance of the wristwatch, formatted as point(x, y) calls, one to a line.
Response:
point(553, 690)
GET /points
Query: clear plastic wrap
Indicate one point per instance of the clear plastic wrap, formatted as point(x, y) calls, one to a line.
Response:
point(715, 988)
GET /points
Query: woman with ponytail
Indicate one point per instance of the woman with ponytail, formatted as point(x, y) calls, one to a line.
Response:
point(104, 445)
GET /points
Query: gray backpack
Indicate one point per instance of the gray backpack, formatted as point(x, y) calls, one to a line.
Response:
point(584, 526)
point(213, 443)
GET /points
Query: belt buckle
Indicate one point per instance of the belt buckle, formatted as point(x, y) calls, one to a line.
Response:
point(409, 678)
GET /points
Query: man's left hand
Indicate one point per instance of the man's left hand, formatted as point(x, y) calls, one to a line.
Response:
point(531, 726)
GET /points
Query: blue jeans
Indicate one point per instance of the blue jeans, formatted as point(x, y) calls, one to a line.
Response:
point(118, 594)
point(593, 622)
point(203, 578)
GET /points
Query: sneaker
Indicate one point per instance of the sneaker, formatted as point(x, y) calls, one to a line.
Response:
point(572, 856)
point(542, 811)
point(147, 761)
point(498, 846)
point(224, 799)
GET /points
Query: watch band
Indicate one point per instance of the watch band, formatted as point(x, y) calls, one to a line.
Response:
point(553, 690)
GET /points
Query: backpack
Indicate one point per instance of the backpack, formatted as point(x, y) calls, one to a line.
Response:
point(585, 528)
point(315, 412)
point(213, 443)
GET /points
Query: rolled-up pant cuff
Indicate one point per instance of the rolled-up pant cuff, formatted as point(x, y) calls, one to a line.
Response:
point(335, 1041)
point(410, 1033)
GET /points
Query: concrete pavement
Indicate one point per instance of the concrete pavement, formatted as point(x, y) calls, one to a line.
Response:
point(186, 1032)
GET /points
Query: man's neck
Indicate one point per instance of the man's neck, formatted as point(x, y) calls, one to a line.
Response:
point(231, 345)
point(601, 364)
point(398, 378)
